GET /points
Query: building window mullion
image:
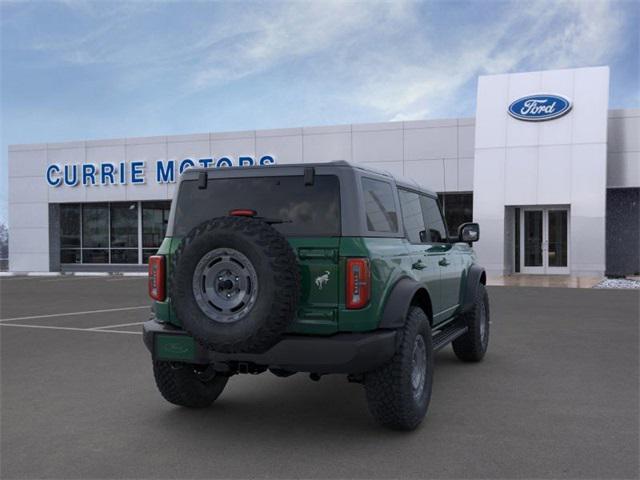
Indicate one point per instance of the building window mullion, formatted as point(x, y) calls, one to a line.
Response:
point(140, 261)
point(81, 239)
point(109, 232)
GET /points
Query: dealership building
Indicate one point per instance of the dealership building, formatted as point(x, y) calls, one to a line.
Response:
point(548, 170)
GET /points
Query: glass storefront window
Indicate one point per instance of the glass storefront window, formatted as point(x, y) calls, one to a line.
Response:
point(70, 255)
point(109, 233)
point(92, 255)
point(155, 216)
point(70, 233)
point(69, 226)
point(124, 232)
point(124, 225)
point(95, 225)
point(126, 255)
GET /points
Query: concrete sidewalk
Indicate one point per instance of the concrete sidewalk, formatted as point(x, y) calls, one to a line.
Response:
point(555, 281)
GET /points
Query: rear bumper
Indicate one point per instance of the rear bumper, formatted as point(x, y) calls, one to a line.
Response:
point(339, 353)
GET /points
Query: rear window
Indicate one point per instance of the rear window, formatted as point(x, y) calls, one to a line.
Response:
point(306, 210)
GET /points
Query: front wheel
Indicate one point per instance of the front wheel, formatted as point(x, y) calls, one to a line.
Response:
point(187, 385)
point(472, 346)
point(398, 394)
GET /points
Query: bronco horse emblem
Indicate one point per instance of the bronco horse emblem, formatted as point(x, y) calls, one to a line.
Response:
point(322, 280)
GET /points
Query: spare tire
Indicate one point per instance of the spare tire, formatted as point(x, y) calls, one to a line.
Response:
point(235, 284)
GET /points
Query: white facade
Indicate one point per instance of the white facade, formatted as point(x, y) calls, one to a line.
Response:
point(506, 163)
point(560, 162)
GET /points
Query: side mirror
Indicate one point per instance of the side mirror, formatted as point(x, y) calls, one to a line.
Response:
point(469, 232)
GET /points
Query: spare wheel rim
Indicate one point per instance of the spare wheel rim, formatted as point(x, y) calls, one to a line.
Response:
point(225, 285)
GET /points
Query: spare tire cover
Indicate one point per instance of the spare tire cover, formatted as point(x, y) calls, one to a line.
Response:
point(235, 284)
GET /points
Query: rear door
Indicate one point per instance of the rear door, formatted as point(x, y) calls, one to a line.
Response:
point(424, 268)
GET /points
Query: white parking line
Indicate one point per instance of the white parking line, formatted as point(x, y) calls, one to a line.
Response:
point(19, 278)
point(70, 314)
point(124, 279)
point(48, 327)
point(115, 326)
point(69, 278)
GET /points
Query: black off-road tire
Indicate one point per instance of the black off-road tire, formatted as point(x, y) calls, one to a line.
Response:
point(389, 391)
point(278, 277)
point(180, 384)
point(472, 346)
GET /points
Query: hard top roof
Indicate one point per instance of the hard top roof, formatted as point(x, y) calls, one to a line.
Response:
point(400, 181)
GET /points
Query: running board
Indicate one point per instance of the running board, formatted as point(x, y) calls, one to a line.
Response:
point(447, 335)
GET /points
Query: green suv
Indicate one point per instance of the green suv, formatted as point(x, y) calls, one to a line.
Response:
point(319, 268)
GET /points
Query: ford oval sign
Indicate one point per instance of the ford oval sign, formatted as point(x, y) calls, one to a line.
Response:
point(536, 108)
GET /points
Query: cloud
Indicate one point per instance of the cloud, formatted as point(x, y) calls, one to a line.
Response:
point(296, 30)
point(398, 59)
point(223, 41)
point(535, 35)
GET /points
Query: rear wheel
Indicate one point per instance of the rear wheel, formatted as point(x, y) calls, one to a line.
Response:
point(398, 394)
point(188, 385)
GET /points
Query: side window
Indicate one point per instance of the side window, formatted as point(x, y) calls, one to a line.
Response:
point(411, 215)
point(436, 231)
point(380, 208)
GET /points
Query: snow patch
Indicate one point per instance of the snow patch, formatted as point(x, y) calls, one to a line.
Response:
point(624, 283)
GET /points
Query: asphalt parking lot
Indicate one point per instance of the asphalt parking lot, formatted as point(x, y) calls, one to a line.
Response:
point(556, 397)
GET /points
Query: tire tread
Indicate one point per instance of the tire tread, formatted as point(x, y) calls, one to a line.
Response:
point(390, 401)
point(468, 347)
point(180, 385)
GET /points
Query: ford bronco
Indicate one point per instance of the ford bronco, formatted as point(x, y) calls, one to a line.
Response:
point(319, 268)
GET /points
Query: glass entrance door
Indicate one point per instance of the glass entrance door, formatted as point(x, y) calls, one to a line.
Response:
point(533, 239)
point(557, 241)
point(544, 240)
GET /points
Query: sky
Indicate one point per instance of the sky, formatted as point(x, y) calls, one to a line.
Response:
point(75, 70)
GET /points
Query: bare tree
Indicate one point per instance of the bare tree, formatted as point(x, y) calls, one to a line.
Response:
point(4, 241)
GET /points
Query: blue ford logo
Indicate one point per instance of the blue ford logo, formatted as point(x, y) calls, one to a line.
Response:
point(536, 108)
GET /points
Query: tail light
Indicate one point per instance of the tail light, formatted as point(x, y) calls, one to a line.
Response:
point(157, 277)
point(358, 283)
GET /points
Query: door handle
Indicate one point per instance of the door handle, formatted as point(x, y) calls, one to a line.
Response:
point(444, 262)
point(418, 265)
